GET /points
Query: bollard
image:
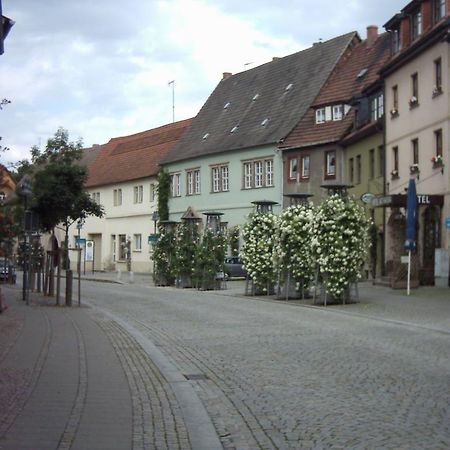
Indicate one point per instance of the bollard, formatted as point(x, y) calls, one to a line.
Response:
point(131, 277)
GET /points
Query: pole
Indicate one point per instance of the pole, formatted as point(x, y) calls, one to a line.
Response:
point(409, 273)
point(173, 99)
point(79, 266)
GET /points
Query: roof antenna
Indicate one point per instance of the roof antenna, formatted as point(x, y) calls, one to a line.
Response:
point(173, 99)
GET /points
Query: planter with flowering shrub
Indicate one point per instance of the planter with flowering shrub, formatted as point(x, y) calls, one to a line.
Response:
point(163, 258)
point(186, 242)
point(292, 256)
point(257, 251)
point(340, 244)
point(438, 161)
point(209, 260)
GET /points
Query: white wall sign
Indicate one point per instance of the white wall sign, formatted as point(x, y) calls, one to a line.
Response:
point(89, 253)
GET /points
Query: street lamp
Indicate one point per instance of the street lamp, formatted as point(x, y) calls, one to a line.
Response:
point(213, 221)
point(80, 223)
point(264, 206)
point(25, 192)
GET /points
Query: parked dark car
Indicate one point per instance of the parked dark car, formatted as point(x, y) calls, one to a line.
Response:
point(234, 267)
point(5, 266)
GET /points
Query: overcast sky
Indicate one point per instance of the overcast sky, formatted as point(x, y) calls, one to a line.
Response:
point(101, 68)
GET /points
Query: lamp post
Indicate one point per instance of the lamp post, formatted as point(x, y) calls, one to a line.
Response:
point(298, 199)
point(213, 221)
point(264, 206)
point(79, 226)
point(25, 191)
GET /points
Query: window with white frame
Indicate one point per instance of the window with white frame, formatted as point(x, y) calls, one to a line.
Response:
point(117, 197)
point(192, 181)
point(304, 163)
point(96, 197)
point(137, 242)
point(248, 175)
point(138, 194)
point(320, 115)
point(258, 173)
point(439, 9)
point(113, 247)
point(175, 184)
point(293, 168)
point(268, 172)
point(220, 178)
point(152, 192)
point(224, 178)
point(338, 112)
point(416, 25)
point(377, 107)
point(330, 164)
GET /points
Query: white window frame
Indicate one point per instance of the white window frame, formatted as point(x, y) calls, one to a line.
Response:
point(258, 165)
point(152, 192)
point(220, 178)
point(293, 168)
point(338, 112)
point(175, 184)
point(138, 196)
point(215, 179)
point(117, 194)
point(189, 182)
point(268, 163)
point(320, 115)
point(137, 242)
point(330, 168)
point(224, 176)
point(305, 168)
point(197, 182)
point(248, 175)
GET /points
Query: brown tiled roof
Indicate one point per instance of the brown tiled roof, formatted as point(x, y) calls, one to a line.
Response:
point(307, 133)
point(342, 85)
point(136, 156)
point(304, 71)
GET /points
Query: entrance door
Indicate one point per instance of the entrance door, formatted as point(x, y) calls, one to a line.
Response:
point(431, 240)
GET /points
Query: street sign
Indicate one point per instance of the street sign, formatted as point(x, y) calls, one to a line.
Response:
point(89, 252)
point(153, 238)
point(367, 197)
point(447, 223)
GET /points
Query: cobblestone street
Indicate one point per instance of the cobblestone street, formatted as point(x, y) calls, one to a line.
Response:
point(268, 374)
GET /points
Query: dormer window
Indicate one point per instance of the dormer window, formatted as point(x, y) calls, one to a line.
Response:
point(338, 112)
point(362, 73)
point(234, 129)
point(396, 46)
point(255, 97)
point(416, 25)
point(320, 115)
point(227, 105)
point(289, 87)
point(264, 122)
point(205, 136)
point(439, 10)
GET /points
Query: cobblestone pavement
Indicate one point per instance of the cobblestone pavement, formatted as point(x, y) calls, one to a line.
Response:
point(278, 376)
point(75, 379)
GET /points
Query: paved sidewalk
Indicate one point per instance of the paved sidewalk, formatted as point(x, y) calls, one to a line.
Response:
point(74, 378)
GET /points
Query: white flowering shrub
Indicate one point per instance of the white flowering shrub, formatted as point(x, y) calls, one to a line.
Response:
point(340, 242)
point(292, 251)
point(257, 249)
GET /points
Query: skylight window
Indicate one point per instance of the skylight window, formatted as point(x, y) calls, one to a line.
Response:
point(362, 73)
point(289, 87)
point(264, 122)
point(227, 105)
point(234, 129)
point(255, 97)
point(205, 136)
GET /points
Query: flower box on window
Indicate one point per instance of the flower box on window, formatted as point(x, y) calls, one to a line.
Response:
point(414, 168)
point(437, 161)
point(413, 101)
point(394, 112)
point(394, 173)
point(437, 90)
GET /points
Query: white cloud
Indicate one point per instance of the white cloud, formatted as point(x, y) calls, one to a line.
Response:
point(101, 69)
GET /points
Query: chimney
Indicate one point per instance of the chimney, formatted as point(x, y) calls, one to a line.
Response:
point(276, 58)
point(226, 75)
point(372, 35)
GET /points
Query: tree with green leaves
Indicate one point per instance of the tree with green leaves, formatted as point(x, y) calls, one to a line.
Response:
point(59, 197)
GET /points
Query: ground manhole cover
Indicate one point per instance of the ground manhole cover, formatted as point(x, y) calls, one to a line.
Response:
point(195, 376)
